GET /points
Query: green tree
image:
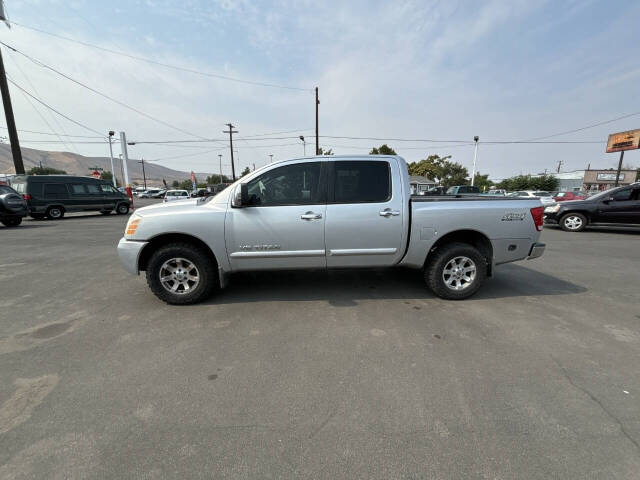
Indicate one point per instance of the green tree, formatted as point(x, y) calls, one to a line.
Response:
point(441, 170)
point(382, 150)
point(325, 152)
point(482, 182)
point(246, 171)
point(175, 184)
point(527, 182)
point(45, 171)
point(186, 185)
point(107, 175)
point(215, 179)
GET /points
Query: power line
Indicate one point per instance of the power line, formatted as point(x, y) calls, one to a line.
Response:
point(104, 95)
point(56, 134)
point(275, 133)
point(51, 108)
point(167, 65)
point(587, 127)
point(186, 155)
point(55, 119)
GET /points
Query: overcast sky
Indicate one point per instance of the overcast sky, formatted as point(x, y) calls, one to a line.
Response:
point(503, 70)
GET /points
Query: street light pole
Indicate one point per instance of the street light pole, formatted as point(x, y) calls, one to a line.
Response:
point(304, 145)
point(125, 157)
point(220, 158)
point(271, 158)
point(475, 157)
point(113, 172)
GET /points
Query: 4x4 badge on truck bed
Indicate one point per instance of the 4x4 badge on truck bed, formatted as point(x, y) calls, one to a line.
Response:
point(512, 217)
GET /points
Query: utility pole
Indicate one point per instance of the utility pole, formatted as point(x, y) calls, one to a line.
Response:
point(271, 158)
point(220, 158)
point(619, 168)
point(560, 162)
point(317, 142)
point(231, 131)
point(125, 170)
point(254, 167)
point(113, 172)
point(144, 175)
point(11, 122)
point(475, 157)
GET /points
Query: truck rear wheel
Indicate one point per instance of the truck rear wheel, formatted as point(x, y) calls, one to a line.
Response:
point(455, 271)
point(181, 274)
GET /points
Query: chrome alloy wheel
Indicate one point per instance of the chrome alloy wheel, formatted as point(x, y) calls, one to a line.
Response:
point(573, 222)
point(179, 275)
point(459, 273)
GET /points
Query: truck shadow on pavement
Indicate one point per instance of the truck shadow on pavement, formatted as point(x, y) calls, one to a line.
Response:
point(346, 287)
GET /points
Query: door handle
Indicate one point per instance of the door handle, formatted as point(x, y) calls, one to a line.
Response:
point(311, 216)
point(387, 212)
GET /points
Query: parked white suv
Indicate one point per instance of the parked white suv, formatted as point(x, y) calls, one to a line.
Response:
point(172, 195)
point(545, 197)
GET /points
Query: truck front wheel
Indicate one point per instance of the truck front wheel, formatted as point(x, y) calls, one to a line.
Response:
point(181, 274)
point(455, 271)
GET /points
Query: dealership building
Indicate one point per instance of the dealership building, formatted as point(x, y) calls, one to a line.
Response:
point(578, 180)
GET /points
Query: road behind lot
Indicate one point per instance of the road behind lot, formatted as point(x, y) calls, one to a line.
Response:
point(316, 375)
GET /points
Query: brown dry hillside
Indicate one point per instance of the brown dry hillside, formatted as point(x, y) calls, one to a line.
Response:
point(75, 164)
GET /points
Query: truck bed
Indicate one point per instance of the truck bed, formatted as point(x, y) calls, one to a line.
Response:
point(460, 198)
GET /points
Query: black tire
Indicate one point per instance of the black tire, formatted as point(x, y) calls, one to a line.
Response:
point(206, 270)
point(122, 209)
point(434, 273)
point(12, 222)
point(37, 216)
point(105, 212)
point(55, 213)
point(573, 222)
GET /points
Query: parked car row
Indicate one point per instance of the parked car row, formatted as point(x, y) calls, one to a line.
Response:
point(618, 206)
point(52, 196)
point(13, 208)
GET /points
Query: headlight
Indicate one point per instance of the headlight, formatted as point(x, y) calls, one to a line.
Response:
point(552, 209)
point(132, 226)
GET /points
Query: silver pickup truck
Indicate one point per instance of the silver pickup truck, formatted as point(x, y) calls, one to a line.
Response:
point(328, 212)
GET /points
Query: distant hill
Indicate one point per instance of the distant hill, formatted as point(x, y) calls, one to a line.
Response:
point(75, 164)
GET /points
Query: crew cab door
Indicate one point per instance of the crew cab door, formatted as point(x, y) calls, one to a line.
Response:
point(283, 226)
point(621, 207)
point(365, 225)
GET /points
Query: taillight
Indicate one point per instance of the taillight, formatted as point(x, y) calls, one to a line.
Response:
point(26, 196)
point(538, 217)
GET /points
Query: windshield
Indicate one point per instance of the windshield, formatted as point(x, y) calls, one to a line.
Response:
point(603, 194)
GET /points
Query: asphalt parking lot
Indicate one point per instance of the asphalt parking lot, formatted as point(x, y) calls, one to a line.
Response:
point(317, 375)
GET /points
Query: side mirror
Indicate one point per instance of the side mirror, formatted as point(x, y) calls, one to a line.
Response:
point(241, 196)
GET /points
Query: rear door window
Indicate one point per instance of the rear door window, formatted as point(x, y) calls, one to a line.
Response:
point(93, 189)
point(361, 182)
point(107, 188)
point(55, 190)
point(78, 189)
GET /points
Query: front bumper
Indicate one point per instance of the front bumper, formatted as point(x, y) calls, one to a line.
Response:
point(129, 253)
point(537, 249)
